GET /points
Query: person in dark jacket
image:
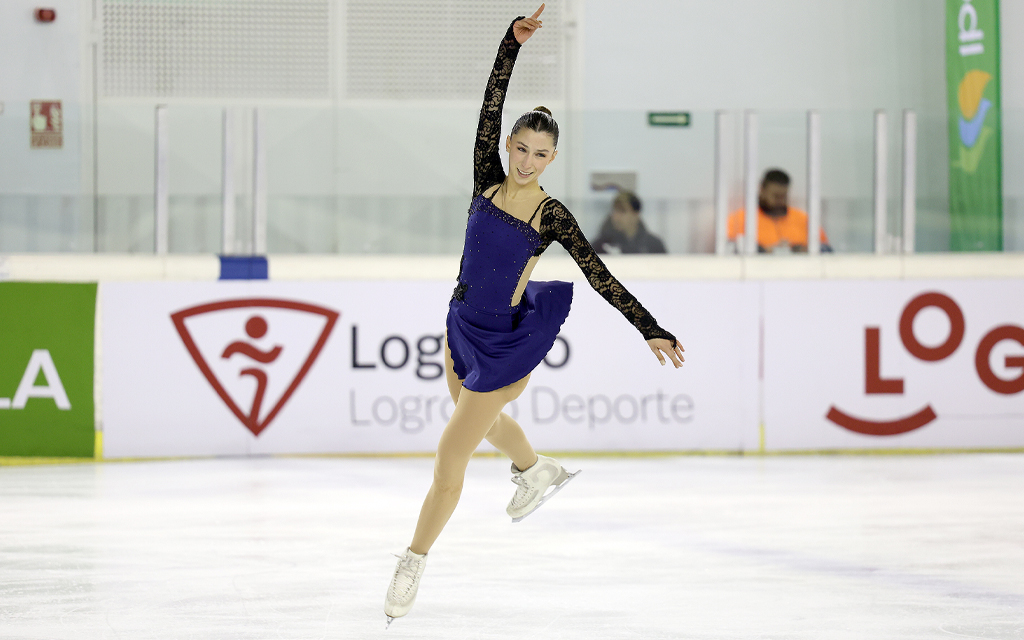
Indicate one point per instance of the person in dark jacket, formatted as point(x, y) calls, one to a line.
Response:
point(624, 232)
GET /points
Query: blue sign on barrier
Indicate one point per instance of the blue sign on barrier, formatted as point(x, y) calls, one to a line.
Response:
point(243, 268)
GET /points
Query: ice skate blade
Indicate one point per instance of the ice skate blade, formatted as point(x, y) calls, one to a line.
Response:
point(550, 494)
point(389, 621)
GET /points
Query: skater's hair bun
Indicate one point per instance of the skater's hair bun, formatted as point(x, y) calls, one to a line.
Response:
point(539, 120)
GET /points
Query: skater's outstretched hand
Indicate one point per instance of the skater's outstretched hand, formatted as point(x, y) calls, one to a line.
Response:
point(524, 28)
point(673, 351)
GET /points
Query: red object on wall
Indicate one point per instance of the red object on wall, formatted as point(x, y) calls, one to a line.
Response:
point(46, 15)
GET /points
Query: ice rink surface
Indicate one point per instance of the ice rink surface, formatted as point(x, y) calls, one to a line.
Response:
point(887, 547)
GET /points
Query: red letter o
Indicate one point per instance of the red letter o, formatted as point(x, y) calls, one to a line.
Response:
point(956, 326)
point(981, 360)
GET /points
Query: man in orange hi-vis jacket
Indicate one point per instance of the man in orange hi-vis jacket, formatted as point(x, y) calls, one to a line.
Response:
point(780, 228)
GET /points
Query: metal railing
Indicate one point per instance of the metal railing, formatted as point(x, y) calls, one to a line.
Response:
point(361, 180)
point(747, 243)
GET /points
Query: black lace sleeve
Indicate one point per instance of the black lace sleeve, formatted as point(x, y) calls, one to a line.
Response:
point(487, 168)
point(558, 225)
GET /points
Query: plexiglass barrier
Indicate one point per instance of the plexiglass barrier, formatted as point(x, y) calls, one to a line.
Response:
point(397, 179)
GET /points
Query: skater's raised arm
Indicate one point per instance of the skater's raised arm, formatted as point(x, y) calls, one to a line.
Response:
point(559, 225)
point(487, 169)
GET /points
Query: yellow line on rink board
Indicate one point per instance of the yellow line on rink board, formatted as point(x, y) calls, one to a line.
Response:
point(25, 461)
point(771, 454)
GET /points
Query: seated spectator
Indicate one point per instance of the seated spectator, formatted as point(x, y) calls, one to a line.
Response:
point(780, 228)
point(624, 232)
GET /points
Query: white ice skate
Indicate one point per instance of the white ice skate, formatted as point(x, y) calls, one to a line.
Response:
point(533, 483)
point(404, 584)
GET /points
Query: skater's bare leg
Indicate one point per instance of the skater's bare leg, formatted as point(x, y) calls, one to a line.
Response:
point(505, 435)
point(473, 417)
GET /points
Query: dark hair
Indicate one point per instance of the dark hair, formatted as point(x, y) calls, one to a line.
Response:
point(776, 176)
point(539, 120)
point(627, 198)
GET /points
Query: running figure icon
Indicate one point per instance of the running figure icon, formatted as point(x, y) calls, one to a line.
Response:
point(300, 331)
point(256, 328)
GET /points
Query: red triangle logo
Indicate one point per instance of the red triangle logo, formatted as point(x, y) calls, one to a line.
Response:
point(255, 352)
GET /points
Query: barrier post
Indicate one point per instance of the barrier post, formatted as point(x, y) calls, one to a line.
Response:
point(813, 182)
point(909, 180)
point(228, 187)
point(259, 186)
point(881, 176)
point(721, 187)
point(160, 184)
point(750, 182)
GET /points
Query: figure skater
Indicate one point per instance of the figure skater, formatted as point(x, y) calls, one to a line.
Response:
point(500, 325)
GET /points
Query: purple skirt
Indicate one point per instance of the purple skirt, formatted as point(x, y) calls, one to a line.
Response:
point(493, 350)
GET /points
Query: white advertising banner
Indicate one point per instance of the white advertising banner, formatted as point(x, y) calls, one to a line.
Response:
point(894, 364)
point(232, 368)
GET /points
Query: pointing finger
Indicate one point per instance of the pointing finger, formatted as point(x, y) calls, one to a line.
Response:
point(538, 12)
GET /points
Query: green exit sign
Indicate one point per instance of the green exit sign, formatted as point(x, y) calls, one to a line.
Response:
point(668, 118)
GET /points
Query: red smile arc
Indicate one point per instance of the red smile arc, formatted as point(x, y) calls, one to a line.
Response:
point(882, 427)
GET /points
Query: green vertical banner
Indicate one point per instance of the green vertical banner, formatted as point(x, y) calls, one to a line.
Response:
point(975, 130)
point(46, 369)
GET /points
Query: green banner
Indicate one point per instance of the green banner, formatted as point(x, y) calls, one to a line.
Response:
point(46, 369)
point(975, 131)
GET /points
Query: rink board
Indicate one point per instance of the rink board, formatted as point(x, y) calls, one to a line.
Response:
point(46, 369)
point(771, 366)
point(948, 372)
point(370, 379)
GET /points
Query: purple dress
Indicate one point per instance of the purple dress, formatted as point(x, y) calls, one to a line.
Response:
point(493, 343)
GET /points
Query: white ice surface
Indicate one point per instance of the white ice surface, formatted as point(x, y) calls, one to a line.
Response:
point(690, 547)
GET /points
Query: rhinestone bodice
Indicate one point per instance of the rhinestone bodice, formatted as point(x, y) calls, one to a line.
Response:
point(498, 246)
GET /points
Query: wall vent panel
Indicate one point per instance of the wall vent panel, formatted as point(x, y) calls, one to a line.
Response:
point(409, 49)
point(217, 48)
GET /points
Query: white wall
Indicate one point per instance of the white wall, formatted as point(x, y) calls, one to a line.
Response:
point(785, 54)
point(40, 62)
point(842, 57)
point(845, 57)
point(1011, 16)
point(1012, 76)
point(690, 55)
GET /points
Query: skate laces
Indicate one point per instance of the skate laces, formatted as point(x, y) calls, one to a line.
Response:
point(522, 495)
point(406, 574)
